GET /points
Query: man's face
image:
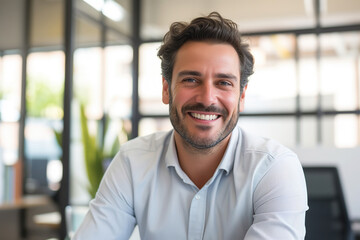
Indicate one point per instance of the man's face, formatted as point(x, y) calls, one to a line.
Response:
point(204, 94)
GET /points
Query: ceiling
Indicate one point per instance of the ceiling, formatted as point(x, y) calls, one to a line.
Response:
point(255, 15)
point(157, 15)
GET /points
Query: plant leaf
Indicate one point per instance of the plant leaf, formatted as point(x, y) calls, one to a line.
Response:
point(93, 155)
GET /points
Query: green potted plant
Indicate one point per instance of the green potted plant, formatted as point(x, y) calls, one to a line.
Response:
point(95, 153)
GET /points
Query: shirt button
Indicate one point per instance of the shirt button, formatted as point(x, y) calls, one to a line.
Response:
point(197, 197)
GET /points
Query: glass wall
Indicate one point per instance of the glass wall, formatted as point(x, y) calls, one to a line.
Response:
point(308, 76)
point(291, 79)
point(10, 90)
point(273, 87)
point(11, 41)
point(47, 23)
point(44, 103)
point(11, 11)
point(306, 81)
point(102, 96)
point(45, 67)
point(150, 80)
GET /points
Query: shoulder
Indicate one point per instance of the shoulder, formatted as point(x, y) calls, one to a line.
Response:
point(147, 143)
point(254, 144)
point(142, 151)
point(259, 155)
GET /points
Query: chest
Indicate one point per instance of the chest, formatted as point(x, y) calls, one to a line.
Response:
point(170, 207)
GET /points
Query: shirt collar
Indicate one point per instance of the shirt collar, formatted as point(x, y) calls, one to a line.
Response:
point(171, 158)
point(226, 163)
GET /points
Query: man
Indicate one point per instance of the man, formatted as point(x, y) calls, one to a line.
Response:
point(206, 179)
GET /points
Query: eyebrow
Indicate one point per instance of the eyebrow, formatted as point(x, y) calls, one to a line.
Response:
point(198, 74)
point(191, 73)
point(226, 76)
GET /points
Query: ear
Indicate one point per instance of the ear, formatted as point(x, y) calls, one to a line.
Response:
point(165, 91)
point(242, 99)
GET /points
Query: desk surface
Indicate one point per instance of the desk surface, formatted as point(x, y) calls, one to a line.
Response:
point(52, 219)
point(26, 202)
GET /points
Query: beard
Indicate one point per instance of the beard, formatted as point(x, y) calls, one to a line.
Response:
point(177, 121)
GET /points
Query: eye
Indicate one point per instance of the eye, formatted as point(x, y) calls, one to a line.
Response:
point(189, 80)
point(225, 83)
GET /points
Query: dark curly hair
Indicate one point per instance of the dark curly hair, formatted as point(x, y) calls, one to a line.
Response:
point(213, 28)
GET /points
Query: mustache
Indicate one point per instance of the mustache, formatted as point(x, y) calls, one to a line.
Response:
point(203, 108)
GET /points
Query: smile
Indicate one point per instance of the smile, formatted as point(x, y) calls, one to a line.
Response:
point(207, 117)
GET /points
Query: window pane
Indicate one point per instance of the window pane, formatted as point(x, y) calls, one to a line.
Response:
point(341, 130)
point(358, 82)
point(45, 85)
point(308, 131)
point(11, 11)
point(119, 16)
point(272, 87)
point(327, 131)
point(10, 87)
point(47, 23)
point(308, 72)
point(10, 90)
point(118, 81)
point(9, 140)
point(338, 70)
point(114, 14)
point(346, 131)
point(115, 38)
point(282, 129)
point(45, 81)
point(152, 125)
point(340, 12)
point(103, 85)
point(89, 9)
point(87, 34)
point(150, 81)
point(78, 177)
point(88, 80)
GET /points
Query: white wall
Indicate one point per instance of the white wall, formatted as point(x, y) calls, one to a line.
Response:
point(348, 163)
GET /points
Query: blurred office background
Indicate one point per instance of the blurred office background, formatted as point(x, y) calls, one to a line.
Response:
point(58, 57)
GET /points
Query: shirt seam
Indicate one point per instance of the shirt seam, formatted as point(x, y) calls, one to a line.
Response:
point(267, 171)
point(100, 195)
point(270, 154)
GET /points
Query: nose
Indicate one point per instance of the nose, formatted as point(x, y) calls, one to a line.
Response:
point(206, 94)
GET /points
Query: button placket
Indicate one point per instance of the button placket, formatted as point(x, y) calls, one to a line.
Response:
point(197, 216)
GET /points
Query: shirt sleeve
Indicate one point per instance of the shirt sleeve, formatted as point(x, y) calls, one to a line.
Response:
point(280, 202)
point(111, 213)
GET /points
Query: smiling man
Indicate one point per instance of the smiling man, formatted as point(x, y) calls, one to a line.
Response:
point(207, 178)
point(204, 97)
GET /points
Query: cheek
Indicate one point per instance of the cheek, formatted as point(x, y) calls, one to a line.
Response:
point(181, 97)
point(231, 103)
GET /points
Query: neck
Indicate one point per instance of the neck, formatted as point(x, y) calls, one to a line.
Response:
point(199, 164)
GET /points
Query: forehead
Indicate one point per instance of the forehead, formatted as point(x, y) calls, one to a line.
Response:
point(207, 56)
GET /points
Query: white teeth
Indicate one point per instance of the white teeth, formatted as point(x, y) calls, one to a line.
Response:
point(204, 116)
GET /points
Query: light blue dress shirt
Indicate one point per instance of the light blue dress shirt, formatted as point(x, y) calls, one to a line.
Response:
point(257, 192)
